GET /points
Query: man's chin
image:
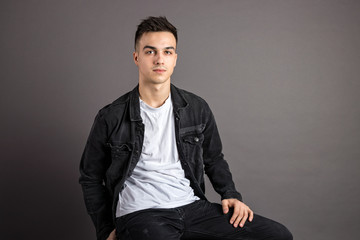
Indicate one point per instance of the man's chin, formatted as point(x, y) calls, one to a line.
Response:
point(159, 81)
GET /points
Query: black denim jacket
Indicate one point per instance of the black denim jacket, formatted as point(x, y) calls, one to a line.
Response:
point(114, 147)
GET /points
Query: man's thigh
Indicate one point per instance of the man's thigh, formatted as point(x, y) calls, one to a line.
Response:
point(205, 220)
point(150, 225)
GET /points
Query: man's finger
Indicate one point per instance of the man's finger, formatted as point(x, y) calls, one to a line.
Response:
point(243, 220)
point(225, 207)
point(238, 219)
point(251, 216)
point(235, 214)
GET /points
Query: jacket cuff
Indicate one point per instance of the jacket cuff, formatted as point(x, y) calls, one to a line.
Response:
point(232, 194)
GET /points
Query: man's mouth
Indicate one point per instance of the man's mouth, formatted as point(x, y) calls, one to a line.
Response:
point(159, 70)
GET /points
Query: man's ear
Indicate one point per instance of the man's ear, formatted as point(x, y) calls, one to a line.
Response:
point(175, 59)
point(136, 58)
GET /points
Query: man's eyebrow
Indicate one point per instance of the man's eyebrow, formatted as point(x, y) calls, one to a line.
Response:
point(154, 48)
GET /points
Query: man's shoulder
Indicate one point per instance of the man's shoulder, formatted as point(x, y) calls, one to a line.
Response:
point(193, 100)
point(190, 97)
point(116, 107)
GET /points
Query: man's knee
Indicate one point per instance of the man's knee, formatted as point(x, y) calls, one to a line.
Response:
point(284, 234)
point(274, 230)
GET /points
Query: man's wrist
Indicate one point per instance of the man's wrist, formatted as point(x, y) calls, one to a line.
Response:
point(232, 194)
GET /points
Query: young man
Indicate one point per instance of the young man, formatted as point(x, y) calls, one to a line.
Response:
point(142, 170)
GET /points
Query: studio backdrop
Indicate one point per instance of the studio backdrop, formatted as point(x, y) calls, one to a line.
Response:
point(282, 79)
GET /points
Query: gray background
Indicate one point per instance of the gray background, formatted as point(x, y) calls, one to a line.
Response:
point(282, 78)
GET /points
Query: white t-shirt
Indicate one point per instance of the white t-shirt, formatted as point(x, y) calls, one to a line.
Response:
point(158, 180)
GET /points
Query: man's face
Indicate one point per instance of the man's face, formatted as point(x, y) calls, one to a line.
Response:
point(155, 57)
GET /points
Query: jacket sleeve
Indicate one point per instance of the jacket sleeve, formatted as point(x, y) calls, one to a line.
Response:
point(216, 167)
point(94, 163)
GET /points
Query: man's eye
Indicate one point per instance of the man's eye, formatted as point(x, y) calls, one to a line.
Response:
point(168, 52)
point(149, 52)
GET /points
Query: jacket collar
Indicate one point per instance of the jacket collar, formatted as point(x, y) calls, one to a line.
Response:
point(177, 97)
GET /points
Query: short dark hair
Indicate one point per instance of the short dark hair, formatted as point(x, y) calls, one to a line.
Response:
point(154, 24)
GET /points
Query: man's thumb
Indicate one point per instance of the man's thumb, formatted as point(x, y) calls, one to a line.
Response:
point(225, 208)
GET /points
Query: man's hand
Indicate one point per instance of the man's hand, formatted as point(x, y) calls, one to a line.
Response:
point(112, 236)
point(241, 211)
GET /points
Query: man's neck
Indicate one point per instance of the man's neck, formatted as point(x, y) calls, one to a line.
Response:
point(154, 95)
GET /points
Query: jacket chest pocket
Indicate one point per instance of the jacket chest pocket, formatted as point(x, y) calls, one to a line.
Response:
point(194, 139)
point(193, 147)
point(119, 151)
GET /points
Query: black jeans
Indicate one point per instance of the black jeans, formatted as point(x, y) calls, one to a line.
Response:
point(198, 220)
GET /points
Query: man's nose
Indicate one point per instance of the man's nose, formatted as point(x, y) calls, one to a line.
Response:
point(159, 59)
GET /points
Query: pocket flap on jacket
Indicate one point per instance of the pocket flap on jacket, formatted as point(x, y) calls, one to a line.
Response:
point(194, 138)
point(119, 147)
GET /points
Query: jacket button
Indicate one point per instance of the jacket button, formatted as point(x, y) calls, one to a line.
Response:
point(177, 119)
point(196, 139)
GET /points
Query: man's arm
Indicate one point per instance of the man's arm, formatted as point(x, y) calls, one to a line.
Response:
point(94, 163)
point(220, 176)
point(215, 166)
